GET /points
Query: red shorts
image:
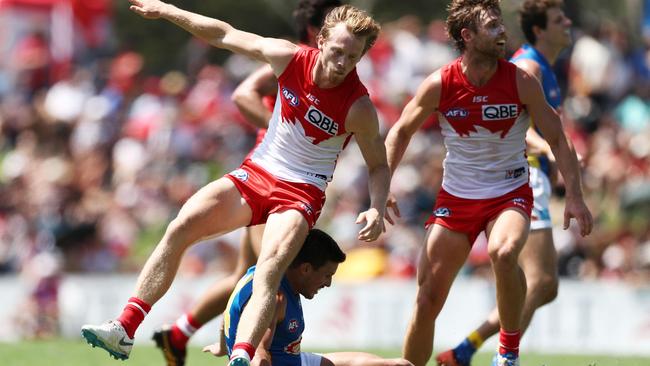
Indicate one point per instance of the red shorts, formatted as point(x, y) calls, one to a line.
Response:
point(265, 194)
point(471, 216)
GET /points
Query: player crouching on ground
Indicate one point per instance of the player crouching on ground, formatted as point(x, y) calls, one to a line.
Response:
point(312, 270)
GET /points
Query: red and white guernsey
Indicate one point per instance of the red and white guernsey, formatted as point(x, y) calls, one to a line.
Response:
point(484, 130)
point(307, 129)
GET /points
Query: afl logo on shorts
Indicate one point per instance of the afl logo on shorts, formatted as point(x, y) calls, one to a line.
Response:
point(290, 96)
point(520, 202)
point(442, 212)
point(307, 208)
point(240, 174)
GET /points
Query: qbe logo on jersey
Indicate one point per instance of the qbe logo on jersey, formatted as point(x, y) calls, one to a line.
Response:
point(497, 112)
point(322, 121)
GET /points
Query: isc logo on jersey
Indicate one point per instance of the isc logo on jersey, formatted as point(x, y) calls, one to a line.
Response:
point(495, 112)
point(322, 121)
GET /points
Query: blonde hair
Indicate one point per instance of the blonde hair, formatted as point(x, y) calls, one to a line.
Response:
point(357, 21)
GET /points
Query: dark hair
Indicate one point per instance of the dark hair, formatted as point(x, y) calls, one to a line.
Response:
point(319, 248)
point(311, 13)
point(533, 13)
point(466, 14)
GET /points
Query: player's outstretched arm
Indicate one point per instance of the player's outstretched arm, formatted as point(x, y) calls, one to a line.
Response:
point(363, 122)
point(417, 110)
point(548, 121)
point(276, 52)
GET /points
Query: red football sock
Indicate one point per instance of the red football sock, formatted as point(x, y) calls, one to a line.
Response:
point(133, 314)
point(509, 341)
point(183, 330)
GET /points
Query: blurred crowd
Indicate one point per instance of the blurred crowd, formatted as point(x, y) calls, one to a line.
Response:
point(97, 156)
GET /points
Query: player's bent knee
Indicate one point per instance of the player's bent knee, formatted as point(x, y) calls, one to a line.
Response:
point(505, 254)
point(429, 303)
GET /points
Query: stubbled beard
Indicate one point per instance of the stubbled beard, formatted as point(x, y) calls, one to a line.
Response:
point(492, 52)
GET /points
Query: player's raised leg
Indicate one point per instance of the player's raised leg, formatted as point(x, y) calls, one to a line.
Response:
point(215, 209)
point(172, 339)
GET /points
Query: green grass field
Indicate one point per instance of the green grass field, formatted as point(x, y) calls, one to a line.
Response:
point(76, 353)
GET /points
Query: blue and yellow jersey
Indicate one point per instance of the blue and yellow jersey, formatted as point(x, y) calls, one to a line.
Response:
point(285, 347)
point(552, 91)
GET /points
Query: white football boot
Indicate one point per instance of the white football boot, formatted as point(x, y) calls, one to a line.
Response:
point(110, 336)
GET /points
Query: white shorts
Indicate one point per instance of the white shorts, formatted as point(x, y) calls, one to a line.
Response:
point(541, 185)
point(310, 359)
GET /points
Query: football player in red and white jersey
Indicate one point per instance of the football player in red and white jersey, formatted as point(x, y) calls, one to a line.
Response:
point(255, 97)
point(483, 103)
point(320, 104)
point(548, 31)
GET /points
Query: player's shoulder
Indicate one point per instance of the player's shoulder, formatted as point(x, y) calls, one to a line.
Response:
point(361, 107)
point(305, 52)
point(432, 84)
point(435, 78)
point(529, 66)
point(278, 47)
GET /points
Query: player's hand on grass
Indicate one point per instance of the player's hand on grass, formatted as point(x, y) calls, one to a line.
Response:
point(374, 225)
